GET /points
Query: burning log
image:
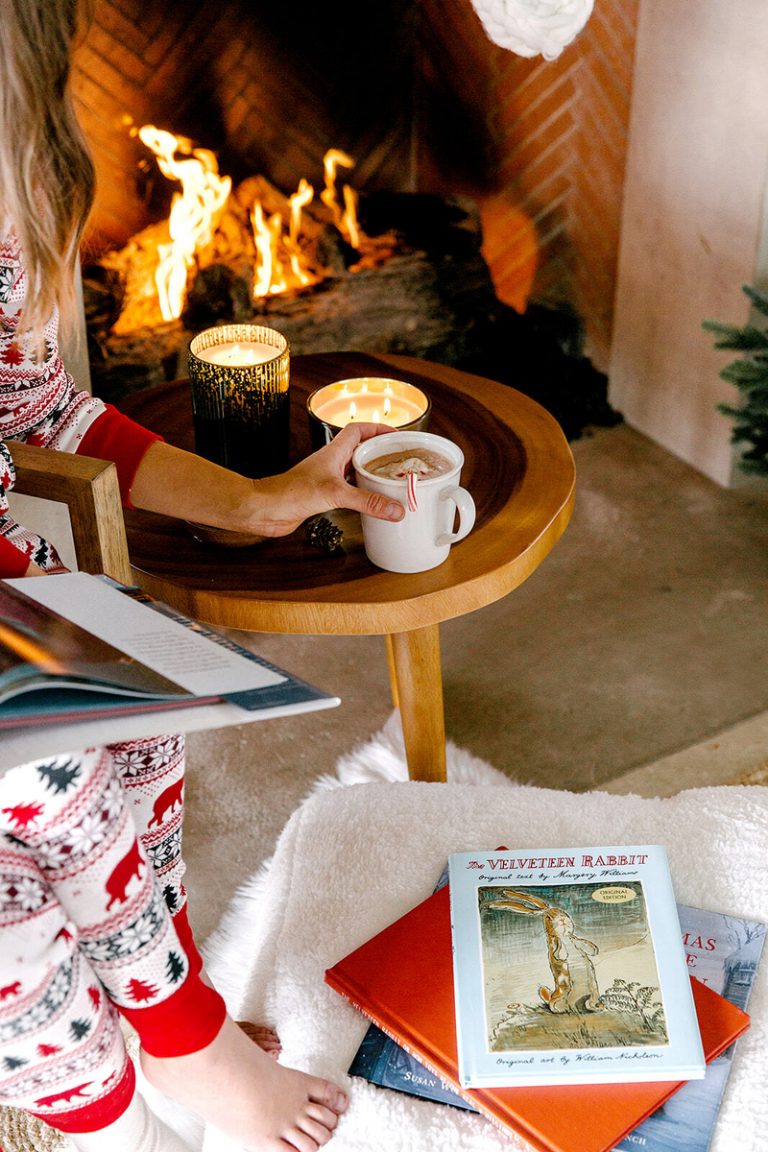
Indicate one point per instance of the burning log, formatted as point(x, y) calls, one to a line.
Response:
point(395, 294)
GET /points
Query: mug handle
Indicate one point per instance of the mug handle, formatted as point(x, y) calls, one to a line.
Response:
point(466, 508)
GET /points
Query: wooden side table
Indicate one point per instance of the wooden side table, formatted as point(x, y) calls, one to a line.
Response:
point(518, 467)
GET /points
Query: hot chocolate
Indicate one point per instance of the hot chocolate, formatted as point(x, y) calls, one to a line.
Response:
point(422, 462)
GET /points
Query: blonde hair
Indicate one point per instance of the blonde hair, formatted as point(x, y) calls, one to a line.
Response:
point(46, 173)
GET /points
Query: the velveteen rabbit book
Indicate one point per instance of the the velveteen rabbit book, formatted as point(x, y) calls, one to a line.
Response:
point(569, 968)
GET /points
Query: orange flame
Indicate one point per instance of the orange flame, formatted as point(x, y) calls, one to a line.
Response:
point(281, 263)
point(274, 248)
point(195, 211)
point(345, 219)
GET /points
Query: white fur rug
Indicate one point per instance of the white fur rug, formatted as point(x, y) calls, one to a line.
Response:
point(353, 859)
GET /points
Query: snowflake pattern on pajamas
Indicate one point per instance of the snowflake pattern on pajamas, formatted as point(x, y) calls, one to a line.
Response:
point(83, 913)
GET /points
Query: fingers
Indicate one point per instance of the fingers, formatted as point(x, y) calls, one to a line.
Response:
point(354, 434)
point(374, 504)
point(345, 441)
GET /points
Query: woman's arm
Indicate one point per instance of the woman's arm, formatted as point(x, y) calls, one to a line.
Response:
point(178, 483)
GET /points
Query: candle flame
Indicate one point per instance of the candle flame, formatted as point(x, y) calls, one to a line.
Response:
point(387, 404)
point(352, 409)
point(376, 417)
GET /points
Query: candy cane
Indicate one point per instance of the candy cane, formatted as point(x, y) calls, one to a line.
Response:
point(411, 485)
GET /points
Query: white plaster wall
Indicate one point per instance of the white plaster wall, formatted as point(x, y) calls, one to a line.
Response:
point(692, 229)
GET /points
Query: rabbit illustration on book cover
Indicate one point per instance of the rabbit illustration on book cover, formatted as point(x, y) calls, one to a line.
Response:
point(575, 983)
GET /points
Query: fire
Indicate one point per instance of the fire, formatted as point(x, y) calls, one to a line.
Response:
point(346, 219)
point(274, 248)
point(195, 211)
point(157, 264)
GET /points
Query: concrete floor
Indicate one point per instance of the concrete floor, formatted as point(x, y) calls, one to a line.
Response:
point(634, 659)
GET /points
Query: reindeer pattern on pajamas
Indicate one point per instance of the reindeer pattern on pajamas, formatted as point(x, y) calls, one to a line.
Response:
point(84, 923)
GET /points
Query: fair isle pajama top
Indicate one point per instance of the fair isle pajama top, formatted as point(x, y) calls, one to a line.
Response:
point(93, 917)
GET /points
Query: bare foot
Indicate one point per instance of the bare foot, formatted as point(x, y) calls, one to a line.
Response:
point(266, 1038)
point(235, 1085)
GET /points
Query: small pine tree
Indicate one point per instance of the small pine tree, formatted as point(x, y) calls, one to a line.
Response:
point(58, 777)
point(750, 375)
point(171, 897)
point(79, 1028)
point(140, 990)
point(174, 968)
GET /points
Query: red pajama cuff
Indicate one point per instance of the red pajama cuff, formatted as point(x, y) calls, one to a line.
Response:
point(186, 1022)
point(116, 437)
point(91, 1117)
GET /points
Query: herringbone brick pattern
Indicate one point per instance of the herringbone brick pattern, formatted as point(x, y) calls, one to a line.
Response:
point(555, 139)
point(417, 95)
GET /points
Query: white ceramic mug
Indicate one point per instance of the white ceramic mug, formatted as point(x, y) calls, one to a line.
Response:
point(423, 539)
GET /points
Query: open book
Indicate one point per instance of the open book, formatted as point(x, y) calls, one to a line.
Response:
point(77, 647)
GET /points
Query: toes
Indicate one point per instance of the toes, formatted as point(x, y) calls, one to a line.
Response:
point(302, 1142)
point(266, 1038)
point(328, 1094)
point(320, 1114)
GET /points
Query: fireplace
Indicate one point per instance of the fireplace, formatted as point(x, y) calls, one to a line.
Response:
point(414, 99)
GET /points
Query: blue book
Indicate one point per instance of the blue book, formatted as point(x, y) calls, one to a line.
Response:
point(723, 952)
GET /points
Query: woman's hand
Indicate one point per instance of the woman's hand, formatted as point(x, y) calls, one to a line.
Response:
point(178, 483)
point(320, 483)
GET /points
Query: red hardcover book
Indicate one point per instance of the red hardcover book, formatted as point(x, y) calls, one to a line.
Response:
point(402, 979)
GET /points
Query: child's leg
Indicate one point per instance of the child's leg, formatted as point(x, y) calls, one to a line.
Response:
point(70, 813)
point(62, 1055)
point(152, 773)
point(137, 1130)
point(85, 928)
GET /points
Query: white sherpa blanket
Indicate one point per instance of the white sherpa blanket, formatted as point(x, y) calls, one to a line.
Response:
point(351, 860)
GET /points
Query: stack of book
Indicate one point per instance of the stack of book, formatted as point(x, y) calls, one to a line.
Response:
point(563, 994)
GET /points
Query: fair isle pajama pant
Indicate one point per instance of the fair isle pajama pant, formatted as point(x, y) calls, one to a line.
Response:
point(93, 925)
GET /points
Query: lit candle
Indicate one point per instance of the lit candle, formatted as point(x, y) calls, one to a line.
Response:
point(240, 354)
point(239, 378)
point(374, 399)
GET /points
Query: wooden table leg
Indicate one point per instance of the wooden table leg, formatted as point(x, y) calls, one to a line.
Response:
point(417, 686)
point(392, 671)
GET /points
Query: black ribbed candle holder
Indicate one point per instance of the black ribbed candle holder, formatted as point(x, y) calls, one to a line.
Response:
point(241, 409)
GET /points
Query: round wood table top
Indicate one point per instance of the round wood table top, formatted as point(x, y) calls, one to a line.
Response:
point(518, 467)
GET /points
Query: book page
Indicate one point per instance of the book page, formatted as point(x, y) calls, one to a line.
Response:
point(191, 660)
